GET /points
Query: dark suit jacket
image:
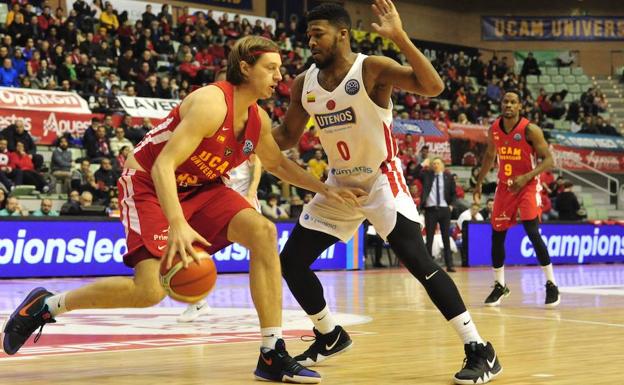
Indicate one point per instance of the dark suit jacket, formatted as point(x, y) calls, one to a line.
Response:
point(427, 176)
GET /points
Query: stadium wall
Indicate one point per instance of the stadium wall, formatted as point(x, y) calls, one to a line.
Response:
point(454, 22)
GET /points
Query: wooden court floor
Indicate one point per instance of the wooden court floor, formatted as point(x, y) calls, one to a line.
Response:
point(400, 338)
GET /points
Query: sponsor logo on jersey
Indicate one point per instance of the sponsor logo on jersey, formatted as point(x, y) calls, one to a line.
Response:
point(338, 118)
point(351, 171)
point(331, 104)
point(509, 153)
point(517, 137)
point(320, 221)
point(221, 139)
point(207, 163)
point(248, 147)
point(352, 87)
point(310, 97)
point(228, 151)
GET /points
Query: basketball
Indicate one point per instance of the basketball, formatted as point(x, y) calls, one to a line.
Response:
point(192, 284)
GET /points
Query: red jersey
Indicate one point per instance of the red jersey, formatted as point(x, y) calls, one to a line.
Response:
point(215, 155)
point(516, 156)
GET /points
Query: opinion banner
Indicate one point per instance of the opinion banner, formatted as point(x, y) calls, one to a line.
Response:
point(562, 28)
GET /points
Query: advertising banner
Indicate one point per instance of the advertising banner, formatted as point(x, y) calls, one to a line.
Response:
point(42, 100)
point(426, 133)
point(561, 28)
point(147, 107)
point(46, 126)
point(235, 4)
point(472, 132)
point(69, 248)
point(569, 158)
point(568, 243)
point(589, 141)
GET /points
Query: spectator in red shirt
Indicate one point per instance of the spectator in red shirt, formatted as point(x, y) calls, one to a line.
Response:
point(308, 144)
point(21, 160)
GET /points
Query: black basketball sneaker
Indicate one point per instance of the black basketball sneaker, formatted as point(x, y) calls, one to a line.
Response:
point(325, 345)
point(31, 314)
point(552, 294)
point(277, 365)
point(480, 365)
point(496, 296)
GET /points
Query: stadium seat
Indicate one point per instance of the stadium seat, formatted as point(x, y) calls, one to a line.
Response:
point(562, 125)
point(551, 71)
point(531, 79)
point(582, 79)
point(570, 79)
point(544, 79)
point(560, 87)
point(588, 200)
point(557, 79)
point(602, 213)
point(23, 189)
point(577, 71)
point(549, 88)
point(565, 71)
point(575, 88)
point(591, 213)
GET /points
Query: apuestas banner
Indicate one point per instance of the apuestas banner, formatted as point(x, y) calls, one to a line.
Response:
point(576, 243)
point(147, 107)
point(581, 28)
point(603, 142)
point(42, 100)
point(46, 126)
point(569, 158)
point(426, 133)
point(472, 132)
point(66, 248)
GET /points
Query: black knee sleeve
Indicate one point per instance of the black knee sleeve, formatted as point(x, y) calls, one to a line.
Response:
point(407, 242)
point(541, 251)
point(498, 248)
point(303, 248)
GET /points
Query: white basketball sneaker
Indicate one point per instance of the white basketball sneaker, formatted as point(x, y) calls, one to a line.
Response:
point(193, 311)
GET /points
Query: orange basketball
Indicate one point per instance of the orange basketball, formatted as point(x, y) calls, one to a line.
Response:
point(191, 284)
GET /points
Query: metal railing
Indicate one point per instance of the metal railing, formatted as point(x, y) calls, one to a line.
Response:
point(609, 190)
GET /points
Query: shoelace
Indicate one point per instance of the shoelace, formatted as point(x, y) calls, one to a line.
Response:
point(472, 360)
point(22, 328)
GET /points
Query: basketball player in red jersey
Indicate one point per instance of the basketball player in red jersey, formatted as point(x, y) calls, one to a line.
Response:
point(172, 197)
point(517, 143)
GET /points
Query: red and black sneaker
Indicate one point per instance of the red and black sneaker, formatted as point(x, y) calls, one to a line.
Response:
point(31, 314)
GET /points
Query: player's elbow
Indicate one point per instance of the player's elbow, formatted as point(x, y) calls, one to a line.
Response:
point(435, 88)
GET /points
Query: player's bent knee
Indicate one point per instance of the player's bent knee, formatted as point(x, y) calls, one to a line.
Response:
point(264, 234)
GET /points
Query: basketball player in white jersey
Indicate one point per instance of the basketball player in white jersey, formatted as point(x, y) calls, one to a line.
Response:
point(244, 179)
point(348, 96)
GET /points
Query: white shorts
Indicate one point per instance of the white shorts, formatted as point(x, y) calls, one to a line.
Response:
point(381, 208)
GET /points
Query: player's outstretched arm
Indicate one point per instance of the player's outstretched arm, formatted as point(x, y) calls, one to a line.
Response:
point(419, 77)
point(277, 164)
point(535, 136)
point(486, 165)
point(287, 134)
point(202, 114)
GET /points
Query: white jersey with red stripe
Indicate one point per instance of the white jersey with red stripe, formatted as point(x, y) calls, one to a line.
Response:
point(356, 135)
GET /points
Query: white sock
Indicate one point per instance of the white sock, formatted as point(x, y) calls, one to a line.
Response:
point(270, 337)
point(548, 272)
point(56, 304)
point(466, 328)
point(323, 321)
point(499, 275)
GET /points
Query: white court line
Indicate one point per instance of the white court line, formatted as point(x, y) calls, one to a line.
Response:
point(521, 317)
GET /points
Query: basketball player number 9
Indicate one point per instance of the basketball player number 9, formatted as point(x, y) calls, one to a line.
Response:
point(343, 149)
point(508, 170)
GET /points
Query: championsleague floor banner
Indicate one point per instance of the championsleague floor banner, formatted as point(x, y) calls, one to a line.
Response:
point(568, 243)
point(70, 248)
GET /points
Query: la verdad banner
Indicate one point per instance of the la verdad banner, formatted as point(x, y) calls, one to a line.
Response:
point(147, 107)
point(562, 28)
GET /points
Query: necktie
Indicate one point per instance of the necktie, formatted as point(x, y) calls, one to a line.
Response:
point(438, 190)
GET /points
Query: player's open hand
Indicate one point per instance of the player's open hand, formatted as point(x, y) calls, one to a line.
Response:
point(390, 25)
point(349, 195)
point(518, 183)
point(180, 241)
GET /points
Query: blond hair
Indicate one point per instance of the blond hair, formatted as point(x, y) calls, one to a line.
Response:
point(248, 49)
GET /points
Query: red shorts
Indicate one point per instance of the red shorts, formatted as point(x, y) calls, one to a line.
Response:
point(208, 209)
point(507, 205)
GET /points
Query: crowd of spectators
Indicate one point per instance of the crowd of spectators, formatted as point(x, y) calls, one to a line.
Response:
point(95, 50)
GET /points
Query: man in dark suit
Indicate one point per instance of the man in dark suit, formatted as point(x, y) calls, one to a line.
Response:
point(437, 200)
